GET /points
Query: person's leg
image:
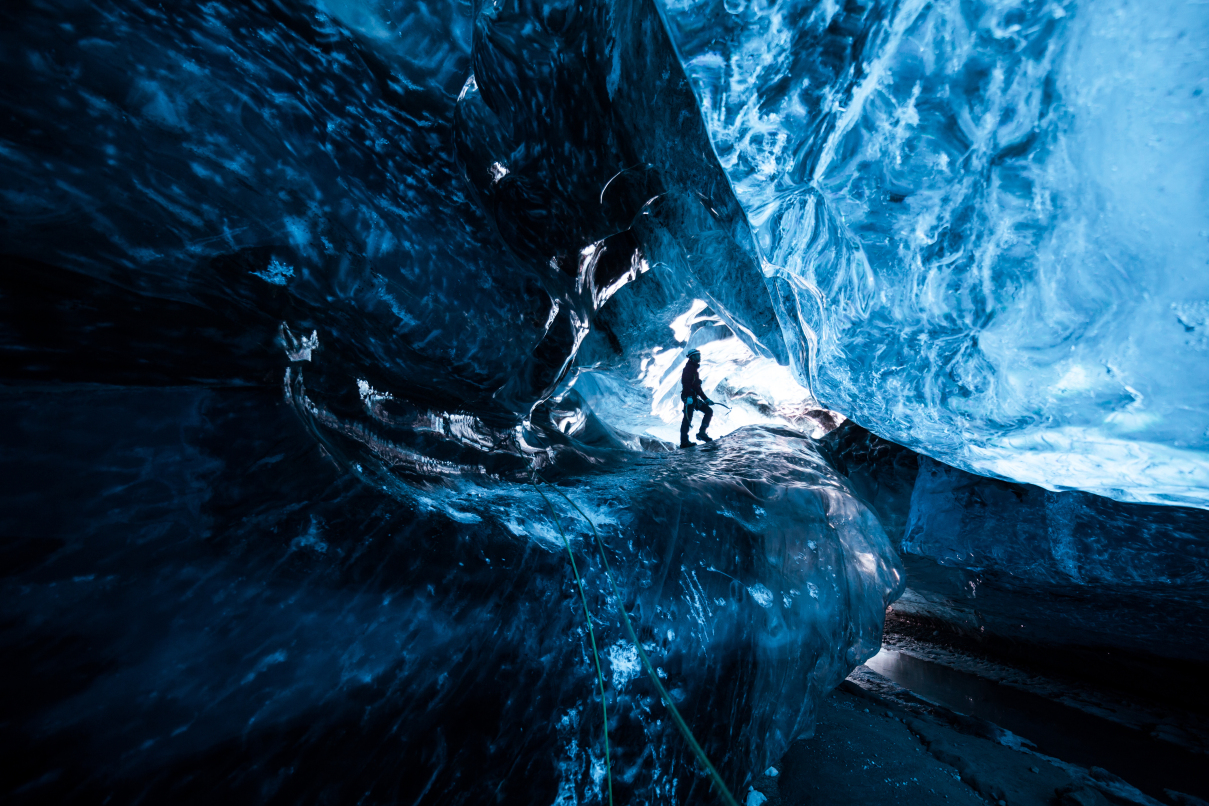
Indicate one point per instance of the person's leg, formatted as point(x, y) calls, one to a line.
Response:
point(686, 423)
point(709, 415)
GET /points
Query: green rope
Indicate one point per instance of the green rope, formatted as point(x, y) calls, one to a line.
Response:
point(591, 636)
point(646, 662)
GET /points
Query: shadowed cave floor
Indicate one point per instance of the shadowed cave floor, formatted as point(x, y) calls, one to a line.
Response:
point(863, 752)
point(876, 742)
point(860, 755)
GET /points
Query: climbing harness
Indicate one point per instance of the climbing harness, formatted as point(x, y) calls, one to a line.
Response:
point(646, 662)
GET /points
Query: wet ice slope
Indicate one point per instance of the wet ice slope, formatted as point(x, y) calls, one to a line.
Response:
point(212, 609)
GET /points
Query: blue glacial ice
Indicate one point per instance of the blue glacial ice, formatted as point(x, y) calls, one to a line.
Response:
point(1063, 568)
point(298, 298)
point(1033, 566)
point(219, 603)
point(985, 225)
point(292, 312)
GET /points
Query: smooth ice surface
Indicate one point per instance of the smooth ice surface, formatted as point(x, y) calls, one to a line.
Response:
point(990, 219)
point(1061, 540)
point(1033, 565)
point(1057, 567)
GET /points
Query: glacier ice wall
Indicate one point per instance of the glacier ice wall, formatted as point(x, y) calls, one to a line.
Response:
point(214, 608)
point(1058, 567)
point(579, 136)
point(291, 311)
point(277, 165)
point(989, 222)
point(1038, 571)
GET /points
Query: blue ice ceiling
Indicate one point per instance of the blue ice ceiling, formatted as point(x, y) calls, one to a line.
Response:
point(991, 219)
point(979, 230)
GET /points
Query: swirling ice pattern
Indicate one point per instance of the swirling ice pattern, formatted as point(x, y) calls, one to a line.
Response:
point(271, 193)
point(989, 221)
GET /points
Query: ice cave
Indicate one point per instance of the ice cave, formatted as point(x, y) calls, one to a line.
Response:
point(347, 349)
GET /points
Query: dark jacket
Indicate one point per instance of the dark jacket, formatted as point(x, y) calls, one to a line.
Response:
point(690, 382)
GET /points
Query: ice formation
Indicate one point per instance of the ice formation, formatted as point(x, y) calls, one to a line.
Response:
point(1033, 566)
point(300, 298)
point(1062, 568)
point(991, 219)
point(306, 630)
point(307, 309)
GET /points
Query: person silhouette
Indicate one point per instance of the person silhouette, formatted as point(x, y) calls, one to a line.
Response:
point(694, 400)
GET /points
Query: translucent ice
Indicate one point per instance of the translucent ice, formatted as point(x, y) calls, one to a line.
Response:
point(464, 243)
point(989, 221)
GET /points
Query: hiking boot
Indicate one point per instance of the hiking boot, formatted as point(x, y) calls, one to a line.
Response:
point(701, 435)
point(684, 443)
